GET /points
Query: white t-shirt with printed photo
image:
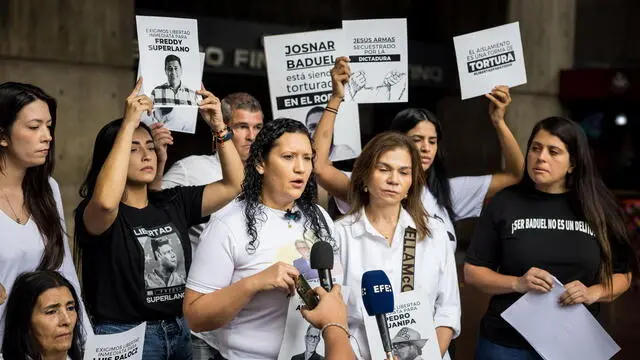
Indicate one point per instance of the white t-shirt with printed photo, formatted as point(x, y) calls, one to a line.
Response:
point(222, 259)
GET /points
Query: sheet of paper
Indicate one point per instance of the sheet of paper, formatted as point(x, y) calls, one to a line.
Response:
point(169, 59)
point(379, 60)
point(125, 345)
point(298, 68)
point(489, 58)
point(559, 332)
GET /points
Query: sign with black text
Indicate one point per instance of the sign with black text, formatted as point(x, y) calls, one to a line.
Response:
point(126, 345)
point(298, 68)
point(379, 60)
point(169, 60)
point(410, 327)
point(489, 58)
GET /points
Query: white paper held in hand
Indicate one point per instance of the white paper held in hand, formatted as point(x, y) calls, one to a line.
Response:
point(125, 345)
point(559, 332)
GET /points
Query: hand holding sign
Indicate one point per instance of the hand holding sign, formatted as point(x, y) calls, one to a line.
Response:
point(340, 76)
point(162, 139)
point(500, 100)
point(210, 109)
point(136, 105)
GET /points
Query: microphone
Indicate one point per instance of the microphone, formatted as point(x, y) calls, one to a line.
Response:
point(322, 260)
point(377, 296)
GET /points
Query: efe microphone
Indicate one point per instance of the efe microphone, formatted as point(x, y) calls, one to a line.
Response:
point(377, 296)
point(322, 260)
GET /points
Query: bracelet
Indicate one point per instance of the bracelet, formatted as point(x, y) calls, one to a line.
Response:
point(335, 324)
point(219, 140)
point(331, 110)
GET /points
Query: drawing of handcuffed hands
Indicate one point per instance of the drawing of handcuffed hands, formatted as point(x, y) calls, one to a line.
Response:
point(389, 89)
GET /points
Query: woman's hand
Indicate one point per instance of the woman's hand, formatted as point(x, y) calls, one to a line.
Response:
point(211, 110)
point(535, 279)
point(500, 100)
point(340, 74)
point(136, 104)
point(279, 276)
point(577, 293)
point(331, 308)
point(162, 139)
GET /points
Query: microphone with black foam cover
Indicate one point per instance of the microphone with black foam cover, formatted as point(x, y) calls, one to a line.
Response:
point(377, 296)
point(322, 260)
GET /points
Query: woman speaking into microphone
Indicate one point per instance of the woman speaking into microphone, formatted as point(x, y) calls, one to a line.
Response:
point(242, 274)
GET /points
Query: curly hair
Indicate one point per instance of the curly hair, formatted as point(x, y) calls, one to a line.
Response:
point(252, 184)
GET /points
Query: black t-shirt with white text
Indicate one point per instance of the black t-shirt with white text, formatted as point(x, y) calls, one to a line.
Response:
point(137, 269)
point(524, 228)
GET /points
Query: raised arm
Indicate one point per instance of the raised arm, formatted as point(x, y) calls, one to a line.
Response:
point(102, 208)
point(218, 194)
point(330, 178)
point(514, 160)
point(162, 139)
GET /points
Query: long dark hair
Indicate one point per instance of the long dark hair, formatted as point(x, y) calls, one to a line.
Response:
point(19, 342)
point(101, 148)
point(364, 167)
point(252, 184)
point(38, 195)
point(436, 175)
point(588, 194)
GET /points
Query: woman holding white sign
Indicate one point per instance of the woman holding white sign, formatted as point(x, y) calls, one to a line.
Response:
point(135, 245)
point(445, 199)
point(559, 221)
point(387, 218)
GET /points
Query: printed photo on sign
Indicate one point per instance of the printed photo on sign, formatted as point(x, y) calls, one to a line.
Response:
point(300, 85)
point(379, 63)
point(125, 345)
point(413, 335)
point(489, 58)
point(169, 59)
point(181, 118)
point(302, 340)
point(164, 269)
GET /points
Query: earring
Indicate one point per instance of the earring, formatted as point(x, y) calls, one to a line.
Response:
point(365, 189)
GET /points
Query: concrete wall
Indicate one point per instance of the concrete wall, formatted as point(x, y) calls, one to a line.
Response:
point(80, 53)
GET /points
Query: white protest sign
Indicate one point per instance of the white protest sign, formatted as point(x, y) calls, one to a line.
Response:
point(489, 58)
point(379, 65)
point(179, 118)
point(298, 68)
point(169, 59)
point(125, 345)
point(410, 327)
point(300, 337)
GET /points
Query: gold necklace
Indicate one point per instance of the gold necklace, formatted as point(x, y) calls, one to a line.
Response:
point(18, 220)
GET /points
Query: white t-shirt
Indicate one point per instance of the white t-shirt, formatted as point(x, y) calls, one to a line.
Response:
point(467, 198)
point(222, 259)
point(363, 248)
point(22, 248)
point(193, 170)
